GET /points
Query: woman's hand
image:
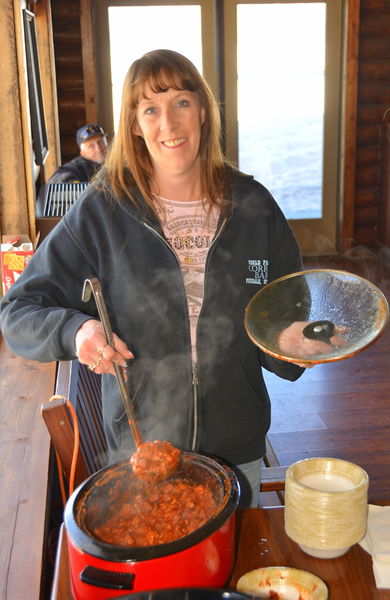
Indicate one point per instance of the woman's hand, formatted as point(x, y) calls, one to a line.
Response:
point(293, 342)
point(93, 350)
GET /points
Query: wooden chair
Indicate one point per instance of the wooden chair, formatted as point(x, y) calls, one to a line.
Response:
point(83, 388)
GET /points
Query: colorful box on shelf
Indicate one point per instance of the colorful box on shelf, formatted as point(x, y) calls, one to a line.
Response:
point(16, 252)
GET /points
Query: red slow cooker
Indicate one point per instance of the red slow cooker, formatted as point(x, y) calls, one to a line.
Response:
point(204, 558)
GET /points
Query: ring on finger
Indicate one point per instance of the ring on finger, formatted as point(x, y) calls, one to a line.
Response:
point(97, 362)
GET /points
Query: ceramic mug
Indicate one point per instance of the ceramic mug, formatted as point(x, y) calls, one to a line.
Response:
point(325, 505)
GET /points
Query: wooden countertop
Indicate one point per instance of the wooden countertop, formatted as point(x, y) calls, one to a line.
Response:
point(24, 466)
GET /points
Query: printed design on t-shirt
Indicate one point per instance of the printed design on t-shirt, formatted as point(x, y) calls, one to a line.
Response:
point(259, 271)
point(190, 230)
point(190, 237)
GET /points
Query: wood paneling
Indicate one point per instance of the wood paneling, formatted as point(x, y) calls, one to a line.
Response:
point(373, 101)
point(76, 70)
point(384, 205)
point(70, 76)
point(367, 215)
point(368, 155)
point(366, 197)
point(89, 63)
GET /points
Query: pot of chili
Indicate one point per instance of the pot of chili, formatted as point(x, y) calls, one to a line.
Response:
point(126, 535)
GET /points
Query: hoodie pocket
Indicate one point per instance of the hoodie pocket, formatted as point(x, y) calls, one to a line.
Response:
point(235, 415)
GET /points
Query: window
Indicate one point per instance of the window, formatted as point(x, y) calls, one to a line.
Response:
point(280, 108)
point(283, 106)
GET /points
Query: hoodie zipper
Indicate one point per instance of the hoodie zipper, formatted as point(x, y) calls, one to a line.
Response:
point(195, 383)
point(195, 377)
point(194, 366)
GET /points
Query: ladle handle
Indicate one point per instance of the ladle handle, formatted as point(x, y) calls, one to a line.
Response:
point(93, 285)
point(319, 330)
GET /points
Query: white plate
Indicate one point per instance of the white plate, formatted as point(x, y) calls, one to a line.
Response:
point(283, 583)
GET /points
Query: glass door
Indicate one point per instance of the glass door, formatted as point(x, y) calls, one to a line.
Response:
point(282, 74)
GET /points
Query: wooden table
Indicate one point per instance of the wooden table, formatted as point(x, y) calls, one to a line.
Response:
point(263, 542)
point(24, 469)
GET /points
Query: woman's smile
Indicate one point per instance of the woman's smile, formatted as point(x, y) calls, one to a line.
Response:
point(174, 143)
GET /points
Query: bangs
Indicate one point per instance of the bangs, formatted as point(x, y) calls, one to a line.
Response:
point(160, 79)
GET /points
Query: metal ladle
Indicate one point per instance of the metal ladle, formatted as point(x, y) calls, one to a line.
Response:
point(93, 286)
point(152, 461)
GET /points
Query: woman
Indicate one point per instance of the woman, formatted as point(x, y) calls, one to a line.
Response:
point(180, 242)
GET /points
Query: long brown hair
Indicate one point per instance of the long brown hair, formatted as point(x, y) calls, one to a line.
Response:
point(128, 165)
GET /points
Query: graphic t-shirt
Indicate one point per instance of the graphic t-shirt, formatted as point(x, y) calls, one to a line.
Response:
point(190, 230)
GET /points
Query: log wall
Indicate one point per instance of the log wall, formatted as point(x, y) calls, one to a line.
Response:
point(373, 102)
point(69, 71)
point(75, 70)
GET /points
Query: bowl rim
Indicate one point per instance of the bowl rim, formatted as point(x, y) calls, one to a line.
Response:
point(290, 475)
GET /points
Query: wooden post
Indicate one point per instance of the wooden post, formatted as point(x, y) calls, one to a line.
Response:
point(14, 212)
point(350, 111)
point(89, 61)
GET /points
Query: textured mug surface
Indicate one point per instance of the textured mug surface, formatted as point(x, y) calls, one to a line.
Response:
point(325, 505)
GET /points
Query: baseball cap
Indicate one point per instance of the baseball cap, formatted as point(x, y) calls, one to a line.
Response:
point(87, 131)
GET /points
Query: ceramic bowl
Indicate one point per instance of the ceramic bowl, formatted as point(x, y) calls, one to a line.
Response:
point(326, 505)
point(284, 583)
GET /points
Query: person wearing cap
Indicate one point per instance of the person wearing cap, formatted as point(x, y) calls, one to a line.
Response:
point(92, 141)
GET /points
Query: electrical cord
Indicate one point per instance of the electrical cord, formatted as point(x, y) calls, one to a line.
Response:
point(76, 447)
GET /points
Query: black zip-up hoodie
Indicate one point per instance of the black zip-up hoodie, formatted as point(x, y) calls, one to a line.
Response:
point(79, 169)
point(146, 301)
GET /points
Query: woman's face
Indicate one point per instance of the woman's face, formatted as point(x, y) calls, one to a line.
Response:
point(170, 124)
